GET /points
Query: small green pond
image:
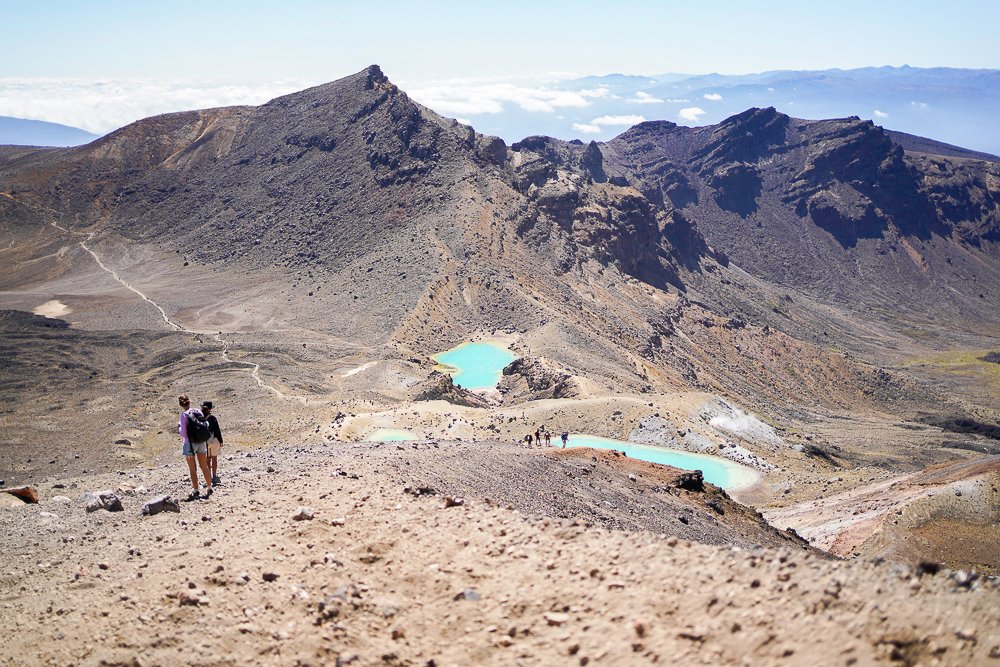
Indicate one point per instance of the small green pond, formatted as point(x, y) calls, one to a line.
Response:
point(391, 435)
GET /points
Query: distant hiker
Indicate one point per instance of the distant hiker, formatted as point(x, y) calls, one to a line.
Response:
point(548, 439)
point(214, 443)
point(527, 439)
point(195, 433)
point(538, 437)
point(565, 437)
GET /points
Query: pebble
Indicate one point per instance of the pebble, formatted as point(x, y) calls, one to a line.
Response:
point(102, 500)
point(556, 618)
point(304, 514)
point(160, 504)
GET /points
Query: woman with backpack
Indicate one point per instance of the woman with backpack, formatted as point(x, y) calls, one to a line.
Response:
point(195, 433)
point(215, 442)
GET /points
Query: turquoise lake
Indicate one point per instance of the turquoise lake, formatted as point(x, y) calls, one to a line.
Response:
point(391, 435)
point(721, 472)
point(475, 365)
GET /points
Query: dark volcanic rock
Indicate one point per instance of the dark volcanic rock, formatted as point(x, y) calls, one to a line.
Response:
point(528, 378)
point(690, 481)
point(440, 387)
point(737, 187)
point(746, 137)
point(593, 162)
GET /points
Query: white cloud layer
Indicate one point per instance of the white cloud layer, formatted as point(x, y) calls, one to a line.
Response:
point(599, 124)
point(644, 98)
point(102, 105)
point(881, 114)
point(627, 120)
point(714, 97)
point(490, 98)
point(691, 114)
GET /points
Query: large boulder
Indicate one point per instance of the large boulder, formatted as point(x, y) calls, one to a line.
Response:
point(690, 481)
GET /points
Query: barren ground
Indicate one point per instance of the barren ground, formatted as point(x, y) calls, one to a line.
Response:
point(380, 576)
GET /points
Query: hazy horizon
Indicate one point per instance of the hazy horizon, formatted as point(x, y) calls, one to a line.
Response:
point(506, 70)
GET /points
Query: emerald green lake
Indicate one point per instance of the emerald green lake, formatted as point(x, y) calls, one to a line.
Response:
point(475, 365)
point(719, 471)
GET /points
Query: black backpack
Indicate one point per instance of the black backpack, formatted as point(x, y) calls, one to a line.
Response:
point(197, 428)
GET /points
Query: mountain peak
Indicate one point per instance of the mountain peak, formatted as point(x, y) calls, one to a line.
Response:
point(755, 116)
point(375, 75)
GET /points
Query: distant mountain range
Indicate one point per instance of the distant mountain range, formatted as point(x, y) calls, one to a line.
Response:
point(348, 183)
point(24, 132)
point(957, 106)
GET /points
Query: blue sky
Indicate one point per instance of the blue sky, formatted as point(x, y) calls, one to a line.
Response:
point(102, 63)
point(255, 40)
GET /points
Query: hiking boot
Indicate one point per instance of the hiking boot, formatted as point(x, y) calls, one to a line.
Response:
point(215, 480)
point(208, 493)
point(195, 495)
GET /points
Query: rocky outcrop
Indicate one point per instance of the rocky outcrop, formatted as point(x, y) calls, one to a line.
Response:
point(848, 215)
point(440, 387)
point(746, 137)
point(531, 378)
point(493, 149)
point(593, 163)
point(616, 224)
point(737, 186)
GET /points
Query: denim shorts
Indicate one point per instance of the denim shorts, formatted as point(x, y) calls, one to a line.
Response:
point(192, 448)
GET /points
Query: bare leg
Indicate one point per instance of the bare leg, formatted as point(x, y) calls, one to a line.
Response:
point(203, 464)
point(192, 471)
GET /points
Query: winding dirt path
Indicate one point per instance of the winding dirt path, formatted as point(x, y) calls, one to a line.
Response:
point(253, 367)
point(226, 344)
point(120, 281)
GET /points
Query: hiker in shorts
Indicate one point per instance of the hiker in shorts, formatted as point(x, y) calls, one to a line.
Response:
point(548, 439)
point(191, 450)
point(214, 443)
point(565, 437)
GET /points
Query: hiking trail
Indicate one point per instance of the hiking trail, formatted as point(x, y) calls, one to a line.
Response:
point(226, 344)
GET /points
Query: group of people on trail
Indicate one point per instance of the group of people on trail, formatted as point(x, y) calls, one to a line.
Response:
point(202, 437)
point(541, 434)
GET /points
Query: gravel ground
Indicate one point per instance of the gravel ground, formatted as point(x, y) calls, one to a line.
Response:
point(381, 576)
